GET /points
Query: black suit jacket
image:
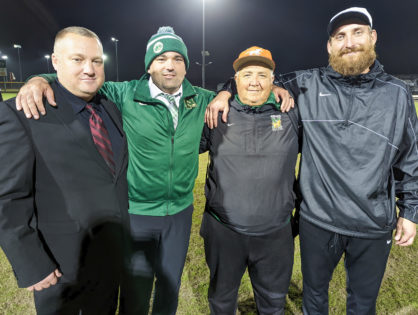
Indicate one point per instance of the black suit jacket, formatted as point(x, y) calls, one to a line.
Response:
point(60, 206)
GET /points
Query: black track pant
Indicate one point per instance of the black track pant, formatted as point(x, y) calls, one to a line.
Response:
point(159, 248)
point(269, 259)
point(365, 263)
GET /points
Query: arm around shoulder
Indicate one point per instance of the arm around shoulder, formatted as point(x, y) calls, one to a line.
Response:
point(118, 91)
point(30, 96)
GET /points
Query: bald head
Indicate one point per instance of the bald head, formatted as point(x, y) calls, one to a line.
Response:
point(77, 30)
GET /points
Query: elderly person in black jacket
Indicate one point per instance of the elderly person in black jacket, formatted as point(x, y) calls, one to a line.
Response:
point(249, 191)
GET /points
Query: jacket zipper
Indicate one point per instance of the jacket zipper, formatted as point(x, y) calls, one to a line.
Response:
point(350, 104)
point(170, 182)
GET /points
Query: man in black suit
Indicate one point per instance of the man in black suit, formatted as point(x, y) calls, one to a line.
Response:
point(63, 190)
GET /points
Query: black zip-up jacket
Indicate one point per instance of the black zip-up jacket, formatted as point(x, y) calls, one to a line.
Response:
point(359, 150)
point(250, 177)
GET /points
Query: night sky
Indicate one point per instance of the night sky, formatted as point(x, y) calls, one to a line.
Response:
point(294, 31)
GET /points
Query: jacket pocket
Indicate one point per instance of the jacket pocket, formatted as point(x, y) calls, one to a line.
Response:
point(383, 213)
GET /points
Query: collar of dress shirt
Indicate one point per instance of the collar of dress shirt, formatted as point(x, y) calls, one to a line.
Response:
point(155, 91)
point(78, 104)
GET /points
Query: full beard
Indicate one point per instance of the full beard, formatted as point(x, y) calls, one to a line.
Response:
point(353, 66)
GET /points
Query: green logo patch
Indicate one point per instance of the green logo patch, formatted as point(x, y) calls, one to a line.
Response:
point(276, 122)
point(190, 103)
point(158, 47)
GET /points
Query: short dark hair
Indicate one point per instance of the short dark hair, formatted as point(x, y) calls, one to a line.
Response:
point(78, 30)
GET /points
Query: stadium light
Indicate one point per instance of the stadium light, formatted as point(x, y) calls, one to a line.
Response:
point(115, 40)
point(19, 47)
point(4, 57)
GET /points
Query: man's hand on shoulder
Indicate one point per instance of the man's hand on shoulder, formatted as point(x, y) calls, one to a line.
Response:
point(30, 97)
point(51, 279)
point(283, 96)
point(405, 232)
point(218, 104)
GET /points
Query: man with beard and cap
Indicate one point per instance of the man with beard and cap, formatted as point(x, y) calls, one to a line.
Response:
point(249, 191)
point(359, 161)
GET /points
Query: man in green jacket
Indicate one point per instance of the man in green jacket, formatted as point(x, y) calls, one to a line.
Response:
point(163, 116)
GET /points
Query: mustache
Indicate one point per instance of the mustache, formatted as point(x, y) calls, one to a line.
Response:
point(349, 50)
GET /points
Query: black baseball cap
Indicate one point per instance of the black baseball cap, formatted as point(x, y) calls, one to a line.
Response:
point(354, 15)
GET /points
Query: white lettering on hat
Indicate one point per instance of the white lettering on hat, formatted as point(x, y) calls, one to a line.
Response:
point(355, 9)
point(256, 52)
point(158, 47)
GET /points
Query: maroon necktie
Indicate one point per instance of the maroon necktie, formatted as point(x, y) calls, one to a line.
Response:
point(101, 138)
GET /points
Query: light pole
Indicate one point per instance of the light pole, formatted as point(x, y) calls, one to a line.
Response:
point(205, 53)
point(115, 40)
point(4, 57)
point(203, 44)
point(47, 61)
point(19, 47)
point(203, 68)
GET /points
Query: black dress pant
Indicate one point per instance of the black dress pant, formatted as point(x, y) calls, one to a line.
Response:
point(269, 259)
point(365, 263)
point(158, 250)
point(92, 288)
point(89, 298)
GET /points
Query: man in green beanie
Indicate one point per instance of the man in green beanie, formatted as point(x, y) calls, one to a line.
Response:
point(163, 117)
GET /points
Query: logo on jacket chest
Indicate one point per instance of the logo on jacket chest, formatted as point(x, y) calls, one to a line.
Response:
point(276, 122)
point(190, 103)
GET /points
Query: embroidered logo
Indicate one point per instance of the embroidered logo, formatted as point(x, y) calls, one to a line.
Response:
point(190, 103)
point(276, 122)
point(256, 52)
point(324, 94)
point(158, 47)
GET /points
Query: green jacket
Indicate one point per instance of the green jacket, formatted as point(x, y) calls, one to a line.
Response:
point(163, 162)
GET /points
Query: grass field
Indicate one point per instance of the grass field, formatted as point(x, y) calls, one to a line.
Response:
point(398, 294)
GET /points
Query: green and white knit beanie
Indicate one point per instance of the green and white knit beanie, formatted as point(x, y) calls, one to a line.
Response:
point(165, 40)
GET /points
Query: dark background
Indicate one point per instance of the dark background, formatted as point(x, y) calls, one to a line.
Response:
point(294, 31)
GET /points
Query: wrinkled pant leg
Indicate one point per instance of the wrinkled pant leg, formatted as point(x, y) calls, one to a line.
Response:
point(138, 280)
point(226, 256)
point(365, 264)
point(320, 252)
point(270, 269)
point(172, 251)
